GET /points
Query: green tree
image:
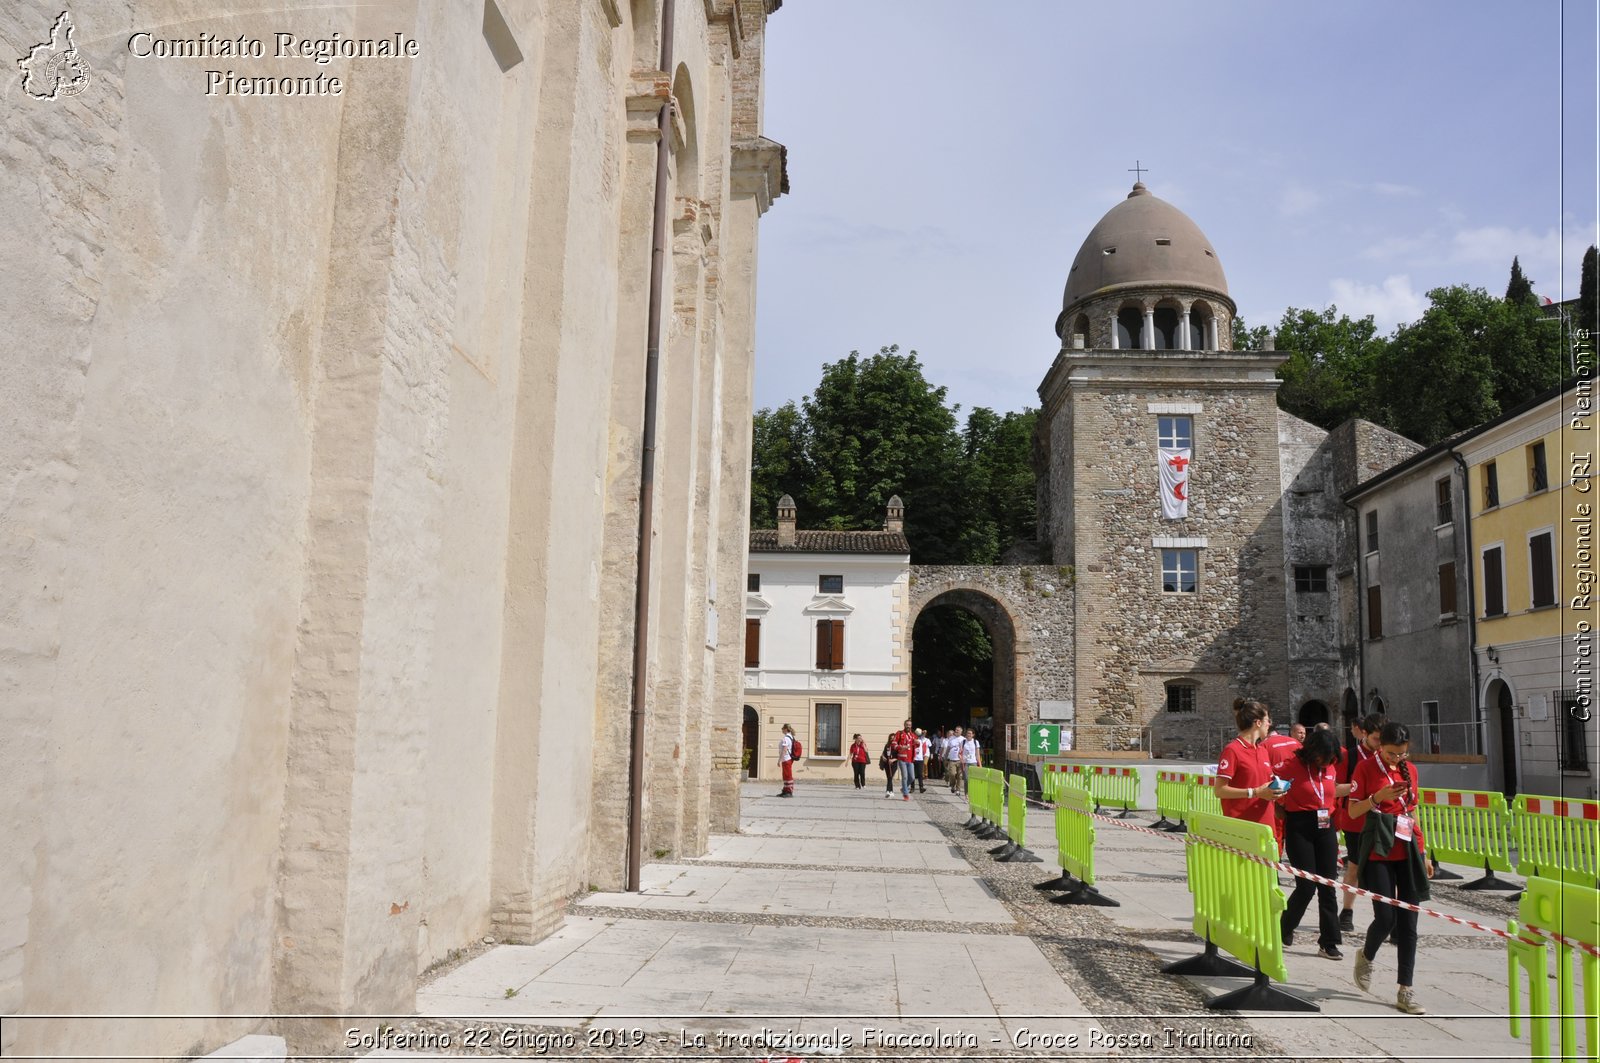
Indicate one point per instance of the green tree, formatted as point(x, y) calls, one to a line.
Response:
point(1246, 338)
point(1328, 376)
point(952, 668)
point(1519, 290)
point(1588, 307)
point(777, 461)
point(875, 427)
point(1526, 349)
point(999, 483)
point(1435, 376)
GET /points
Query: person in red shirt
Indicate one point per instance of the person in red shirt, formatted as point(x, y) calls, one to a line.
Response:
point(1243, 770)
point(1310, 840)
point(1363, 744)
point(905, 752)
point(858, 761)
point(1281, 747)
point(1384, 790)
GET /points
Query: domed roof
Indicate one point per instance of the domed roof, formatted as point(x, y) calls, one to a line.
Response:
point(1144, 242)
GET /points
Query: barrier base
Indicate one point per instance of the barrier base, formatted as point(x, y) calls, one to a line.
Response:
point(1210, 963)
point(972, 822)
point(1086, 894)
point(1178, 828)
point(1004, 850)
point(1489, 882)
point(1442, 875)
point(1056, 885)
point(1162, 824)
point(1126, 813)
point(1020, 856)
point(1260, 995)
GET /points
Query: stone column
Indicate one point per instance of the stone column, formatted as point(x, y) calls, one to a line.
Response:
point(1149, 328)
point(1183, 343)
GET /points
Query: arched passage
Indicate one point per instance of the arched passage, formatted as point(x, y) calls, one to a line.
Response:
point(1312, 713)
point(1499, 705)
point(752, 741)
point(952, 634)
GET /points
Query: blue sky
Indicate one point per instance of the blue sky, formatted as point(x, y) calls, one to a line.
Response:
point(947, 159)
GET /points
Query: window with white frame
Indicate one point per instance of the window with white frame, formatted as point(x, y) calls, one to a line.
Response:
point(1175, 433)
point(829, 729)
point(1180, 571)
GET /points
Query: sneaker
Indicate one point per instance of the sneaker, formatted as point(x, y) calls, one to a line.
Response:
point(1363, 973)
point(887, 794)
point(1329, 952)
point(905, 797)
point(1347, 921)
point(1406, 1001)
point(1288, 938)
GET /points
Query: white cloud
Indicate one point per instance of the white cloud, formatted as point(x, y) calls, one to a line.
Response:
point(1389, 188)
point(1298, 199)
point(1391, 303)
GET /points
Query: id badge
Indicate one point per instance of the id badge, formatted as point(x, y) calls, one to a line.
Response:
point(1324, 818)
point(1402, 828)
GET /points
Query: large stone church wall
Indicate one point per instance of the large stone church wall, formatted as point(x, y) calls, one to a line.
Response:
point(306, 594)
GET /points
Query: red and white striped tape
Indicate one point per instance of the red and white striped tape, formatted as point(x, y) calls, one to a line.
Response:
point(1544, 806)
point(1454, 798)
point(1290, 869)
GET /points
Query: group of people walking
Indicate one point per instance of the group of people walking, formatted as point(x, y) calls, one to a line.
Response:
point(911, 756)
point(1309, 792)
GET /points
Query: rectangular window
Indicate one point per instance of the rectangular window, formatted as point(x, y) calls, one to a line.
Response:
point(829, 730)
point(1491, 485)
point(1180, 697)
point(1574, 732)
point(1374, 612)
point(752, 643)
point(830, 645)
point(752, 582)
point(1538, 475)
point(1372, 531)
point(1430, 722)
point(1444, 505)
point(830, 584)
point(1541, 564)
point(1310, 579)
point(1175, 433)
point(1447, 589)
point(1179, 571)
point(1494, 594)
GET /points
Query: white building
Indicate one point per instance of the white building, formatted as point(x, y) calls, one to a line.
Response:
point(827, 625)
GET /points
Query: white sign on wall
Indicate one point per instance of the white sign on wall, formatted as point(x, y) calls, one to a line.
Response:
point(1056, 710)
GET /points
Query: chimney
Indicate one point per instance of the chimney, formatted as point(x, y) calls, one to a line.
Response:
point(895, 521)
point(785, 522)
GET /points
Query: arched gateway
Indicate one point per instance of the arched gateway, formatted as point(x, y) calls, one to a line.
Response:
point(1027, 612)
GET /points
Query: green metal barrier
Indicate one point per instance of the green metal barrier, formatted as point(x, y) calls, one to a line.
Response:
point(1470, 827)
point(1203, 796)
point(1075, 849)
point(1117, 787)
point(1237, 906)
point(1572, 911)
point(1557, 838)
point(1172, 799)
point(1017, 822)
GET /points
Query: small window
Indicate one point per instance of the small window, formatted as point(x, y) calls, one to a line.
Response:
point(830, 645)
point(1175, 433)
point(1494, 596)
point(752, 643)
point(1163, 243)
point(1372, 531)
point(1447, 589)
point(1538, 475)
point(1180, 697)
point(1310, 579)
point(829, 730)
point(1109, 251)
point(1130, 329)
point(1430, 723)
point(1179, 571)
point(830, 584)
point(1574, 732)
point(1491, 485)
point(1374, 612)
point(752, 582)
point(1541, 563)
point(1444, 506)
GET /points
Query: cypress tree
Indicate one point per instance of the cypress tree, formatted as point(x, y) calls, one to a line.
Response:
point(1519, 292)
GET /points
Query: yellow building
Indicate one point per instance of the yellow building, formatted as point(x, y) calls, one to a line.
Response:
point(1531, 546)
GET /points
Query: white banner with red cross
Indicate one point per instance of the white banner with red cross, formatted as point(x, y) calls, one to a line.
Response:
point(1175, 482)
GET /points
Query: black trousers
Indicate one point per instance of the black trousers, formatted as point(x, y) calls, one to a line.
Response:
point(1392, 878)
point(1316, 850)
point(860, 768)
point(917, 775)
point(890, 775)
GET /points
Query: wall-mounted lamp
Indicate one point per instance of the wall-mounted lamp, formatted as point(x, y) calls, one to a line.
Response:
point(1493, 654)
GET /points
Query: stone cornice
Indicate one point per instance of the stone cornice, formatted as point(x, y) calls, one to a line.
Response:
point(648, 90)
point(1202, 371)
point(760, 170)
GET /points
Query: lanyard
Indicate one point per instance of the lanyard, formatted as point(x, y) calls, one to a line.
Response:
point(1405, 777)
point(1319, 787)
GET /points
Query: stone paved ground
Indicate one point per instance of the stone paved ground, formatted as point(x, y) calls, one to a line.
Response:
point(838, 918)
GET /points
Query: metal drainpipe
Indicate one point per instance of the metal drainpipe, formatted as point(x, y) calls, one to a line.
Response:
point(647, 467)
point(1472, 597)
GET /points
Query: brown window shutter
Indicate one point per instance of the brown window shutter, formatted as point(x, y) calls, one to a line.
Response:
point(1374, 612)
point(752, 644)
point(838, 644)
point(824, 645)
point(1447, 587)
